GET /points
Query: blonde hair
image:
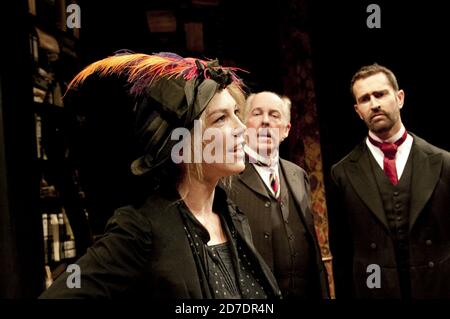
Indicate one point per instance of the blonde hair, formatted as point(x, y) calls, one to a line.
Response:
point(196, 169)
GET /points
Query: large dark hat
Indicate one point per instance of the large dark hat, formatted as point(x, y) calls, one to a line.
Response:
point(168, 92)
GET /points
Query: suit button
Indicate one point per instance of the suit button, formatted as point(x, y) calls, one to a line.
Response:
point(428, 242)
point(399, 218)
point(266, 235)
point(430, 264)
point(395, 193)
point(373, 246)
point(397, 205)
point(267, 204)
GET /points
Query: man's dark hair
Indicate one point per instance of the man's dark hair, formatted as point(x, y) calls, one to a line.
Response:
point(373, 69)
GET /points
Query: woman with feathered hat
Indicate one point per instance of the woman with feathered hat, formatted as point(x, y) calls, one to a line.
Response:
point(187, 240)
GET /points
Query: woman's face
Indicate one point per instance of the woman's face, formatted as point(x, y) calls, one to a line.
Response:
point(223, 137)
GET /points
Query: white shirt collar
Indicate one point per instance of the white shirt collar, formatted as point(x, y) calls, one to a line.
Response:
point(402, 154)
point(392, 139)
point(271, 161)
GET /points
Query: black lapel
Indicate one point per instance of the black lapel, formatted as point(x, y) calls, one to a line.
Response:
point(251, 178)
point(427, 166)
point(359, 173)
point(173, 216)
point(242, 227)
point(299, 193)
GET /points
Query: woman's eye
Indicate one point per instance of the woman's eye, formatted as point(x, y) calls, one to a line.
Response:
point(220, 119)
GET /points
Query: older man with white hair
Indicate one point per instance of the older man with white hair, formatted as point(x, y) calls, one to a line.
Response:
point(275, 196)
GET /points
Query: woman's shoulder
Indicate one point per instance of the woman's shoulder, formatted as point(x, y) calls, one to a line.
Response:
point(157, 203)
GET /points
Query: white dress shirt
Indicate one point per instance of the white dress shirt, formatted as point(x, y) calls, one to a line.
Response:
point(401, 157)
point(268, 166)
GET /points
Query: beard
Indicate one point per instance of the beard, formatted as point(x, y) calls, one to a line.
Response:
point(381, 126)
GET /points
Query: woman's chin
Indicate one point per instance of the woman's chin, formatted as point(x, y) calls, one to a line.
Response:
point(235, 168)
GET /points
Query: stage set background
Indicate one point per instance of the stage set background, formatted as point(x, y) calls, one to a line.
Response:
point(305, 49)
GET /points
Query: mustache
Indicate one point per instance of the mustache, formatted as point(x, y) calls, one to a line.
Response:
point(265, 131)
point(378, 112)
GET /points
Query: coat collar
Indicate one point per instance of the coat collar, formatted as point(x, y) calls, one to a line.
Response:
point(359, 173)
point(250, 177)
point(301, 192)
point(299, 189)
point(429, 163)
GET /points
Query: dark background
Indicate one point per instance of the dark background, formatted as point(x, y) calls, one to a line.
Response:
point(411, 42)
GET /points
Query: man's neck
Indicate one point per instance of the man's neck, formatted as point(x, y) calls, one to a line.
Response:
point(254, 157)
point(389, 136)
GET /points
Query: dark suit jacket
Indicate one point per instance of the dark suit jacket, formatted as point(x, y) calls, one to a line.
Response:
point(145, 253)
point(359, 232)
point(250, 194)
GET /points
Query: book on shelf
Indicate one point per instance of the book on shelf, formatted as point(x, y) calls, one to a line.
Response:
point(58, 236)
point(59, 240)
point(69, 246)
point(54, 57)
point(40, 150)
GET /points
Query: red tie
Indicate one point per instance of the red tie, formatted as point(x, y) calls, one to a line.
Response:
point(389, 150)
point(274, 184)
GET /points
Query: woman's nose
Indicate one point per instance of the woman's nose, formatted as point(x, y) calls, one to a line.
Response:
point(239, 128)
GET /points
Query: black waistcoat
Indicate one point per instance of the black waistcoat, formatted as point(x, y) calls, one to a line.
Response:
point(396, 200)
point(293, 256)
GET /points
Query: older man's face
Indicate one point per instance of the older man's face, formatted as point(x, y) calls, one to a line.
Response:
point(266, 123)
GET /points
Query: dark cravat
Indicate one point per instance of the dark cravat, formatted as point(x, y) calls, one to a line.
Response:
point(389, 150)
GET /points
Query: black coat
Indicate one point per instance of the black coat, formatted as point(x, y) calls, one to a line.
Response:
point(249, 193)
point(359, 232)
point(145, 253)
